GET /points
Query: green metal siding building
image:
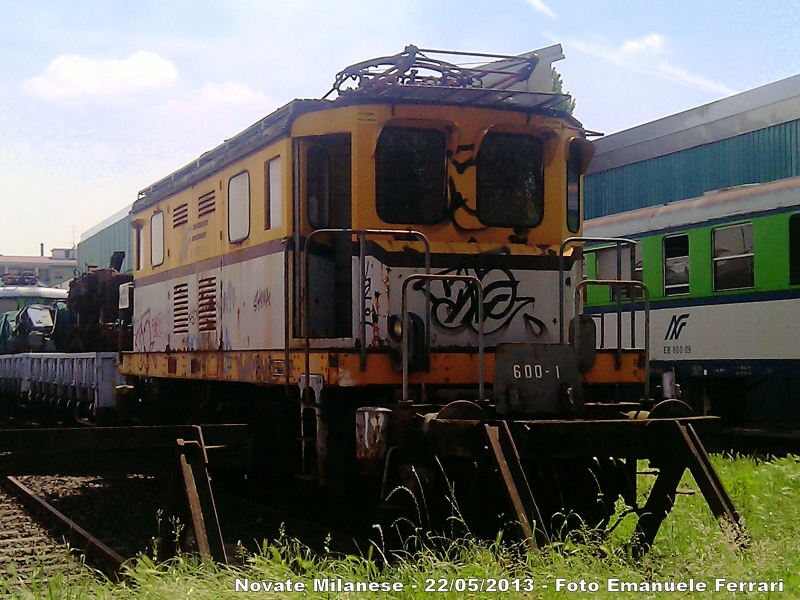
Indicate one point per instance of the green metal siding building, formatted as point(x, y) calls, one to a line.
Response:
point(751, 137)
point(101, 241)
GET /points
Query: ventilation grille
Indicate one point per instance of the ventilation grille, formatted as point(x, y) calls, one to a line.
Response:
point(206, 204)
point(207, 304)
point(180, 308)
point(180, 216)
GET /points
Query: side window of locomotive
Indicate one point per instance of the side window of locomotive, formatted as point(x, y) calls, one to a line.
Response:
point(676, 265)
point(794, 249)
point(318, 187)
point(411, 176)
point(273, 194)
point(574, 189)
point(157, 239)
point(733, 257)
point(510, 180)
point(239, 207)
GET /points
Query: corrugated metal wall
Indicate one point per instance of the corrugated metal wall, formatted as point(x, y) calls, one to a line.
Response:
point(756, 157)
point(97, 249)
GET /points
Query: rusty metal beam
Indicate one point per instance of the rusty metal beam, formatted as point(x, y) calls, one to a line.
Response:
point(191, 506)
point(622, 437)
point(671, 444)
point(659, 504)
point(202, 510)
point(681, 448)
point(510, 484)
point(709, 482)
point(515, 484)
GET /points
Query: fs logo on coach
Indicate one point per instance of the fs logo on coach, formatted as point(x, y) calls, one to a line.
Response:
point(676, 325)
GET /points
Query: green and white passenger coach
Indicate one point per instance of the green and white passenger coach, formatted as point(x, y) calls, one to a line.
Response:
point(723, 274)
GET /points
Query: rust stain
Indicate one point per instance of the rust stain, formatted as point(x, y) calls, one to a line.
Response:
point(339, 368)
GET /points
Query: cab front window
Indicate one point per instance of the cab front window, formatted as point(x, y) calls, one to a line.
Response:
point(510, 180)
point(411, 176)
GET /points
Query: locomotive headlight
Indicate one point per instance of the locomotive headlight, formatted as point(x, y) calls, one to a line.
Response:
point(395, 324)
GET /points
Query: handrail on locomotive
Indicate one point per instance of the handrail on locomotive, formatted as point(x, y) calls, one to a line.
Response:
point(427, 277)
point(362, 235)
point(617, 285)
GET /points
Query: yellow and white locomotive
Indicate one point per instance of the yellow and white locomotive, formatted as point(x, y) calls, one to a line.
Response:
point(384, 283)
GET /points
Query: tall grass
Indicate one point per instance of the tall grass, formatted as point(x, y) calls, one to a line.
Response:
point(690, 544)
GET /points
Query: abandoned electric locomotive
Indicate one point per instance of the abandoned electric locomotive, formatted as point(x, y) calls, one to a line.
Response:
point(383, 283)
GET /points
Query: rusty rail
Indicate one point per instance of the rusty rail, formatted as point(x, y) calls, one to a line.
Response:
point(95, 551)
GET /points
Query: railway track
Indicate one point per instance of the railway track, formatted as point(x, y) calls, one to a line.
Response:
point(96, 553)
point(122, 512)
point(28, 548)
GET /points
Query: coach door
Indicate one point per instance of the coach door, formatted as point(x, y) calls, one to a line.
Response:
point(326, 195)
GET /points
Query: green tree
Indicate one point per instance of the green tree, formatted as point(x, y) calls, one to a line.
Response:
point(558, 88)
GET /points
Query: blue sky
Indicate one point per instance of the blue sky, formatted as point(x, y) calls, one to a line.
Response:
point(100, 99)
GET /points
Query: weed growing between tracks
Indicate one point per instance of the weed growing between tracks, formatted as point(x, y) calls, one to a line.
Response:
point(689, 545)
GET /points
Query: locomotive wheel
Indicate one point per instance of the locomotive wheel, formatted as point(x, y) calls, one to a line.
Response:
point(671, 409)
point(462, 410)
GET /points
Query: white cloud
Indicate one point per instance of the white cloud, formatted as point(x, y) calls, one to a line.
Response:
point(646, 55)
point(542, 7)
point(71, 75)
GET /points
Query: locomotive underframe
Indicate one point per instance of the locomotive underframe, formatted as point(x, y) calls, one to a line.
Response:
point(537, 478)
point(530, 456)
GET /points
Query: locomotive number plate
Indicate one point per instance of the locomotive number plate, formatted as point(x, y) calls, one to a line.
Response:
point(532, 379)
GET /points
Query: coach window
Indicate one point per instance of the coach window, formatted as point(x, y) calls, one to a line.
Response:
point(157, 239)
point(273, 194)
point(510, 180)
point(733, 257)
point(794, 249)
point(411, 176)
point(239, 207)
point(676, 265)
